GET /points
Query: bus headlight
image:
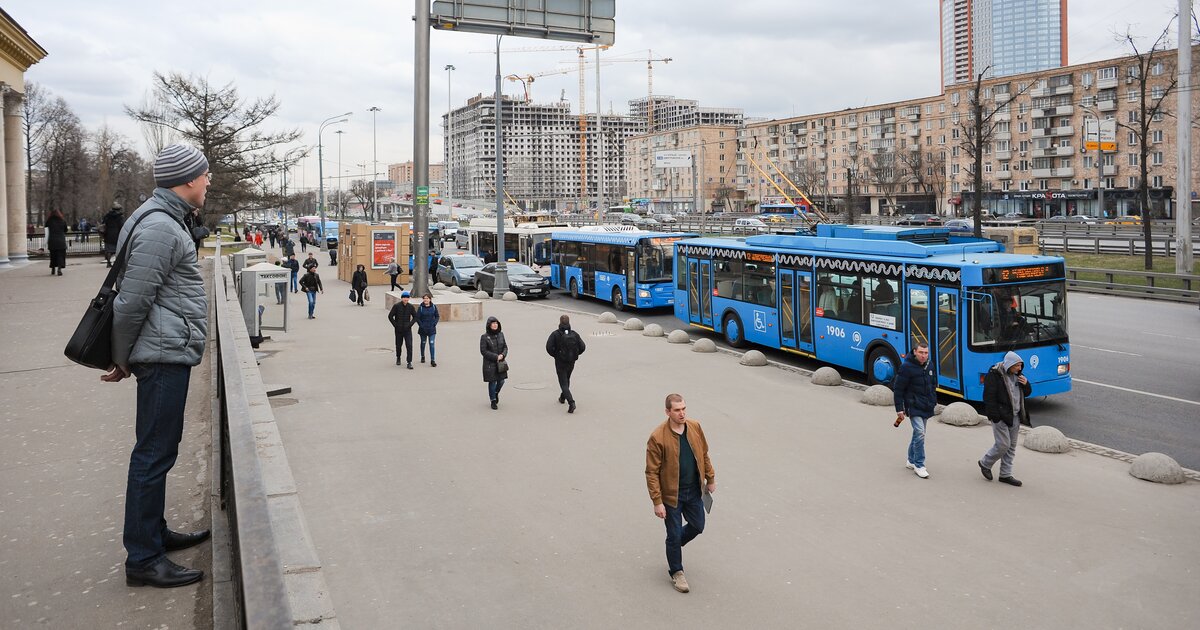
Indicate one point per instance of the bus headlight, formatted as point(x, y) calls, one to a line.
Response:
point(1064, 368)
point(643, 294)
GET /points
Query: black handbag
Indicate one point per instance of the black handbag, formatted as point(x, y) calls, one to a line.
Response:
point(91, 344)
point(502, 368)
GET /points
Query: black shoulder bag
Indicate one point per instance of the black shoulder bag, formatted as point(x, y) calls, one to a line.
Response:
point(91, 345)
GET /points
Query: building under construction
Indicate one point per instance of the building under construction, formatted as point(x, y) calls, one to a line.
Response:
point(551, 160)
point(669, 113)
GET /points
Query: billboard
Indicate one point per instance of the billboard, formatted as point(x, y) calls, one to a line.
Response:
point(672, 159)
point(383, 248)
point(586, 21)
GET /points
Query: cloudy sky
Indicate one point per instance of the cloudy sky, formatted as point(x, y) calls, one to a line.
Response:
point(773, 58)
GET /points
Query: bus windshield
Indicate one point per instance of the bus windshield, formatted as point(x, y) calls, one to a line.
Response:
point(656, 259)
point(1020, 315)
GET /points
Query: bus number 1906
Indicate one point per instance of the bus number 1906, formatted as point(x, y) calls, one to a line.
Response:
point(835, 331)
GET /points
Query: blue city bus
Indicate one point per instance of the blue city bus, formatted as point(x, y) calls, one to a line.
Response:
point(629, 269)
point(782, 209)
point(862, 297)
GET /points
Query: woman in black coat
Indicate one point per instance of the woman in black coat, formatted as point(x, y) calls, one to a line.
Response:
point(112, 223)
point(56, 241)
point(494, 350)
point(359, 283)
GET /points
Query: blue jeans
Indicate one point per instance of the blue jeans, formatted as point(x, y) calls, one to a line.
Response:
point(690, 507)
point(916, 448)
point(430, 338)
point(494, 389)
point(161, 395)
point(295, 285)
point(312, 302)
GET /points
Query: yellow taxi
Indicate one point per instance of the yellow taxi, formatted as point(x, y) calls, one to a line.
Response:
point(1124, 219)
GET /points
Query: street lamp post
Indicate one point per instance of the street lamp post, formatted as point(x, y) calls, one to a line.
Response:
point(332, 120)
point(341, 203)
point(501, 280)
point(286, 167)
point(447, 140)
point(374, 167)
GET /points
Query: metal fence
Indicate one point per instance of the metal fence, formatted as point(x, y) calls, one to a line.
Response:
point(1143, 284)
point(261, 594)
point(90, 244)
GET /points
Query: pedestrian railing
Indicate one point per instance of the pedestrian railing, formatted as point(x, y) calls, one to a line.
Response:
point(1143, 284)
point(260, 592)
point(78, 244)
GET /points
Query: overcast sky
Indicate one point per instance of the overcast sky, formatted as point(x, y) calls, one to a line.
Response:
point(773, 58)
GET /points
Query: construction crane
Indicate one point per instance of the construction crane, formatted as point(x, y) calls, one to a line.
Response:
point(821, 216)
point(649, 60)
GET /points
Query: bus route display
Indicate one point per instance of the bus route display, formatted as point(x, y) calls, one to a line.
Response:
point(1023, 274)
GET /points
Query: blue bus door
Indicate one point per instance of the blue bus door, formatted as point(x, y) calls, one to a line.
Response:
point(699, 292)
point(795, 310)
point(946, 351)
point(630, 277)
point(918, 316)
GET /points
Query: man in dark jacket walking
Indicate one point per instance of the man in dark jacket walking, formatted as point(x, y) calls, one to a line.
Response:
point(915, 394)
point(160, 322)
point(310, 263)
point(310, 284)
point(111, 223)
point(565, 345)
point(294, 265)
point(402, 316)
point(1004, 393)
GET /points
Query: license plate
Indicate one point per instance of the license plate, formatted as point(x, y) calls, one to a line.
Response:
point(535, 290)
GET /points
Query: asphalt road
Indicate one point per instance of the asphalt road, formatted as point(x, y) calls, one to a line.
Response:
point(1135, 363)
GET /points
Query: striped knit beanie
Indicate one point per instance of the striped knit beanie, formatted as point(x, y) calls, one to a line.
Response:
point(178, 164)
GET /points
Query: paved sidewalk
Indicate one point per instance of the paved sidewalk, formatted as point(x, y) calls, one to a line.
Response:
point(430, 510)
point(65, 440)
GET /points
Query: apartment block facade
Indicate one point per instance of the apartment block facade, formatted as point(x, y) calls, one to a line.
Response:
point(912, 156)
point(550, 163)
point(714, 149)
point(402, 174)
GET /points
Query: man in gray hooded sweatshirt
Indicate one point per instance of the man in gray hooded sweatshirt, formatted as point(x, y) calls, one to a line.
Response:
point(1004, 392)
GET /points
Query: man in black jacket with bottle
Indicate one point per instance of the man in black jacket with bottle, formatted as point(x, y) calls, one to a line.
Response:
point(402, 316)
point(915, 394)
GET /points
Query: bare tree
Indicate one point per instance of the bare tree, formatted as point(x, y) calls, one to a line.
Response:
point(45, 115)
point(363, 191)
point(856, 176)
point(156, 136)
point(809, 175)
point(226, 128)
point(1151, 107)
point(926, 171)
point(886, 171)
point(976, 131)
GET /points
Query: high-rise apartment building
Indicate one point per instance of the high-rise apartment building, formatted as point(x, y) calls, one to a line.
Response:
point(545, 164)
point(1001, 37)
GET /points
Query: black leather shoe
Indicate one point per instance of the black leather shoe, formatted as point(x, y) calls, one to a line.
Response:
point(987, 472)
point(174, 541)
point(562, 400)
point(571, 407)
point(163, 574)
point(1010, 481)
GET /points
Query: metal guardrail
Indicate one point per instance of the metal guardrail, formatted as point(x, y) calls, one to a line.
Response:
point(1187, 291)
point(1124, 245)
point(260, 591)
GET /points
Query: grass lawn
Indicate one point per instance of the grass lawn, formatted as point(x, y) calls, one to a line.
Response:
point(1133, 264)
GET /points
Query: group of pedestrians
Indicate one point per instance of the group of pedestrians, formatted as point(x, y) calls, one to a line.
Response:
point(1004, 392)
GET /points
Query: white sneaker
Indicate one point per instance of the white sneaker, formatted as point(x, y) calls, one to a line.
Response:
point(910, 465)
point(921, 472)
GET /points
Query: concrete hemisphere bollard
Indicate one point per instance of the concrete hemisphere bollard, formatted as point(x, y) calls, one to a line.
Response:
point(938, 409)
point(509, 296)
point(878, 395)
point(652, 330)
point(607, 317)
point(753, 358)
point(438, 286)
point(1156, 467)
point(704, 345)
point(827, 376)
point(679, 336)
point(960, 414)
point(456, 289)
point(1046, 439)
point(634, 323)
point(482, 295)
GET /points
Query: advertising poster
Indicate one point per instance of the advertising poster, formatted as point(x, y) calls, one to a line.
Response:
point(383, 248)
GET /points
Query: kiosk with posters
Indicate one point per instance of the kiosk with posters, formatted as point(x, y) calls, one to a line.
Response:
point(374, 246)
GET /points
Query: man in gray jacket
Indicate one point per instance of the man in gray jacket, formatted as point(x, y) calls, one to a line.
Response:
point(160, 322)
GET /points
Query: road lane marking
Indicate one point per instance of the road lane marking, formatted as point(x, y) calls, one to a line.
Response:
point(1173, 336)
point(1076, 345)
point(1138, 391)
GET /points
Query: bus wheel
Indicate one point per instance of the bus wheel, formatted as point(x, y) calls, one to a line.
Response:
point(882, 365)
point(734, 335)
point(616, 300)
point(574, 289)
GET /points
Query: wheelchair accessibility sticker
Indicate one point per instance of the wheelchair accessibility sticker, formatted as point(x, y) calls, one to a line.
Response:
point(760, 321)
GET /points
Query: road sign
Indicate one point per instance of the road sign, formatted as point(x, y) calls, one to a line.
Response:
point(587, 21)
point(1103, 138)
point(423, 195)
point(672, 159)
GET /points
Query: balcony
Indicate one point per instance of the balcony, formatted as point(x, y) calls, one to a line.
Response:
point(1052, 132)
point(1001, 117)
point(914, 147)
point(1053, 152)
point(913, 116)
point(853, 124)
point(1002, 175)
point(1106, 106)
point(889, 120)
point(1002, 135)
point(914, 131)
point(1104, 84)
point(1043, 173)
point(1003, 156)
point(1110, 170)
point(1051, 91)
point(1047, 112)
point(820, 155)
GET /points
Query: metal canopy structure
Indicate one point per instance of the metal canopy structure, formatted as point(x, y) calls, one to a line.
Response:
point(588, 21)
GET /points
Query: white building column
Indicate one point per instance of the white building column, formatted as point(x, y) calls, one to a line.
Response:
point(14, 168)
point(4, 206)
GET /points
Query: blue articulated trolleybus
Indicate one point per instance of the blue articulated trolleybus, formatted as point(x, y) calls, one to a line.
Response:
point(862, 297)
point(628, 269)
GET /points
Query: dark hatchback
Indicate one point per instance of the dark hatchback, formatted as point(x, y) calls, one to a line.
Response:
point(920, 219)
point(522, 280)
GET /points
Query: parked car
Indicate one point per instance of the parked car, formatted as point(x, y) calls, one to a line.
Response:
point(629, 218)
point(458, 269)
point(1014, 216)
point(522, 280)
point(1074, 218)
point(965, 226)
point(616, 216)
point(774, 218)
point(749, 226)
point(666, 218)
point(647, 223)
point(920, 219)
point(447, 229)
point(1125, 219)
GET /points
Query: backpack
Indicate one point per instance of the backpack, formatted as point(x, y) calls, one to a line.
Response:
point(568, 347)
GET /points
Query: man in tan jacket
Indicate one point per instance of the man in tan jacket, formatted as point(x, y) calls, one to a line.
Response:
point(677, 465)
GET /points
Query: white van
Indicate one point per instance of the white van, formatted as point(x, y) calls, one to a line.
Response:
point(448, 229)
